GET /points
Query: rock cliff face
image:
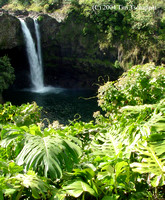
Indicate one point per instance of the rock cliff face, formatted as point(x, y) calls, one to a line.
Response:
point(74, 58)
point(10, 31)
point(71, 59)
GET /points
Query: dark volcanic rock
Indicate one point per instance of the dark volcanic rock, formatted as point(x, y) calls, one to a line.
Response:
point(10, 32)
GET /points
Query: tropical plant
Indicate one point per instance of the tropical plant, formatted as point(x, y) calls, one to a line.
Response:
point(14, 184)
point(82, 183)
point(6, 73)
point(25, 114)
point(118, 156)
point(45, 151)
point(140, 85)
point(152, 162)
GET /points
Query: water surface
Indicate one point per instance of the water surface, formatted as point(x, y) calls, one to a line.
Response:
point(58, 103)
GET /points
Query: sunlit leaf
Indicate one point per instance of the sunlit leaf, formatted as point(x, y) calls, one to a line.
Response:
point(76, 188)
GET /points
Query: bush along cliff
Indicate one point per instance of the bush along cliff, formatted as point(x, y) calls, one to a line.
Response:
point(118, 155)
point(135, 29)
point(6, 74)
point(34, 5)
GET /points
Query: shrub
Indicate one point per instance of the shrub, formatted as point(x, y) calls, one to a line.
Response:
point(6, 73)
point(142, 84)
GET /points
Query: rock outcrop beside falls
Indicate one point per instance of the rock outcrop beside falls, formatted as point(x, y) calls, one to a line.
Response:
point(10, 31)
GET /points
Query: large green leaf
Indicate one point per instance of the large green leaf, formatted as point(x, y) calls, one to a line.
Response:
point(151, 162)
point(76, 188)
point(107, 144)
point(11, 133)
point(112, 197)
point(48, 155)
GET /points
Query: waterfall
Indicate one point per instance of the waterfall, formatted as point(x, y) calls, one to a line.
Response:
point(37, 31)
point(35, 60)
point(34, 57)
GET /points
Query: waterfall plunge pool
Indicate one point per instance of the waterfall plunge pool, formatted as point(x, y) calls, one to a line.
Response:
point(58, 103)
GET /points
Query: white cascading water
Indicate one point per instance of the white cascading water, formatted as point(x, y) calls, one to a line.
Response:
point(35, 59)
point(37, 31)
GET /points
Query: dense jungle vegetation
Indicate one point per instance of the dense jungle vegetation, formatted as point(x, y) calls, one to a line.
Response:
point(118, 155)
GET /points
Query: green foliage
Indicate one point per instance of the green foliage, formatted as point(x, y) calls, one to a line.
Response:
point(6, 73)
point(133, 27)
point(140, 85)
point(13, 183)
point(46, 152)
point(118, 156)
point(25, 114)
point(152, 162)
point(76, 188)
point(40, 18)
point(48, 155)
point(35, 5)
point(3, 2)
point(30, 180)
